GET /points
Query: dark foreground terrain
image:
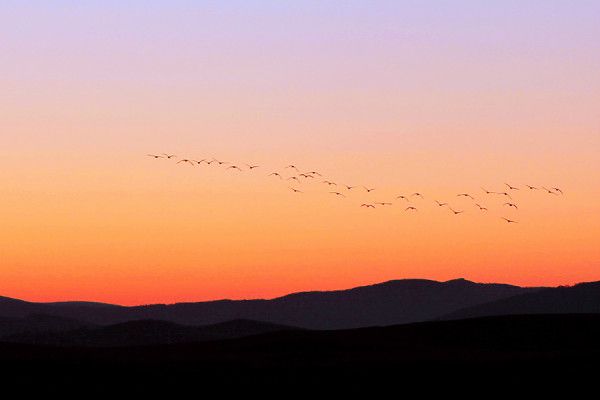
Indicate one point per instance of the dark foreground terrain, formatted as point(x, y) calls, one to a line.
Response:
point(541, 352)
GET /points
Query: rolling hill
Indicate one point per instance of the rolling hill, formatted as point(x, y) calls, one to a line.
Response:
point(580, 298)
point(388, 303)
point(142, 333)
point(543, 351)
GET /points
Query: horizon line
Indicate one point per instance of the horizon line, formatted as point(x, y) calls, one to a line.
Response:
point(291, 293)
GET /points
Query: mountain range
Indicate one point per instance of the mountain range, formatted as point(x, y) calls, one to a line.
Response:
point(409, 332)
point(388, 303)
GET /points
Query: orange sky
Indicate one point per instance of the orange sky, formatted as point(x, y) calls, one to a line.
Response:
point(437, 103)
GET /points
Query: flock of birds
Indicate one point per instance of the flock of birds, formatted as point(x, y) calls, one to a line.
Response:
point(295, 177)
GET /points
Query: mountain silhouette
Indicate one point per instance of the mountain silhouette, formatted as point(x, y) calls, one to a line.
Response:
point(39, 323)
point(580, 298)
point(388, 303)
point(143, 333)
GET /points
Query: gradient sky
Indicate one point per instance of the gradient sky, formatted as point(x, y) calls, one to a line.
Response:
point(438, 97)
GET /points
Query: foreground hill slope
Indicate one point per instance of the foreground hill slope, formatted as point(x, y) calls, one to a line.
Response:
point(540, 350)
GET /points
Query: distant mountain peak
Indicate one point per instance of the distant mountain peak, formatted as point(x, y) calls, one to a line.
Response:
point(459, 280)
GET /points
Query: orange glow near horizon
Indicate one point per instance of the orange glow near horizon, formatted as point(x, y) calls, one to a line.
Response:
point(141, 230)
point(85, 215)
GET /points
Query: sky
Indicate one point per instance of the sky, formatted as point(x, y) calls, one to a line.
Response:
point(436, 97)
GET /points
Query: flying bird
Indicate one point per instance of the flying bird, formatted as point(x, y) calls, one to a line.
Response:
point(306, 176)
point(382, 203)
point(154, 156)
point(487, 191)
point(367, 205)
point(201, 161)
point(276, 174)
point(481, 208)
point(504, 194)
point(185, 160)
point(558, 190)
point(293, 166)
point(403, 197)
point(441, 204)
point(234, 167)
point(252, 166)
point(295, 190)
point(531, 187)
point(511, 187)
point(510, 221)
point(294, 178)
point(368, 190)
point(330, 183)
point(465, 195)
point(220, 162)
point(549, 191)
point(337, 194)
point(314, 173)
point(349, 187)
point(512, 205)
point(417, 194)
point(169, 156)
point(411, 209)
point(454, 211)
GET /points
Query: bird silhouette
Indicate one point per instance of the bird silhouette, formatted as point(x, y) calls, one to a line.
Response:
point(252, 166)
point(169, 156)
point(511, 187)
point(505, 194)
point(306, 176)
point(349, 187)
point(481, 208)
point(293, 167)
point(154, 156)
point(329, 183)
point(367, 205)
point(383, 203)
point(337, 194)
point(549, 191)
point(512, 205)
point(220, 162)
point(295, 190)
point(234, 167)
point(510, 221)
point(411, 209)
point(295, 178)
point(531, 187)
point(368, 190)
point(558, 190)
point(276, 174)
point(186, 161)
point(465, 195)
point(201, 161)
point(314, 173)
point(403, 197)
point(441, 204)
point(417, 194)
point(455, 212)
point(487, 191)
